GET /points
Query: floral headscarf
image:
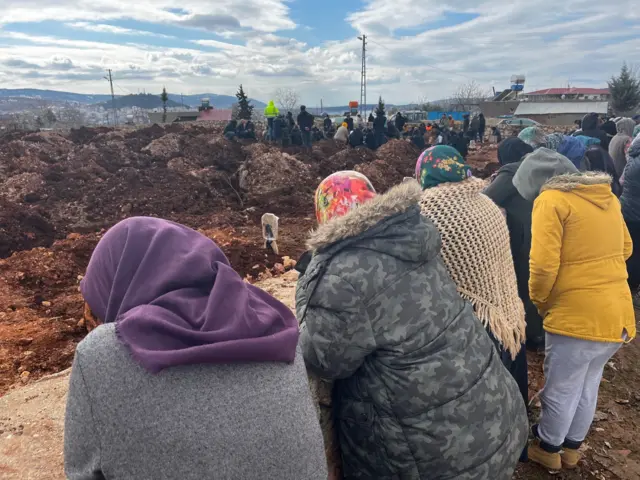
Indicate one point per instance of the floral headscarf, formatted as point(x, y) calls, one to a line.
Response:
point(340, 192)
point(554, 140)
point(636, 131)
point(533, 136)
point(441, 164)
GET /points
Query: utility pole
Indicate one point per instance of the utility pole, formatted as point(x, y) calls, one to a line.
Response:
point(113, 100)
point(363, 76)
point(321, 107)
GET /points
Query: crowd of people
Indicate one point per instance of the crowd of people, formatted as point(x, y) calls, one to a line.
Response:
point(419, 304)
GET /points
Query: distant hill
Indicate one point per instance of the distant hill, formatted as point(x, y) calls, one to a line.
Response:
point(140, 100)
point(218, 101)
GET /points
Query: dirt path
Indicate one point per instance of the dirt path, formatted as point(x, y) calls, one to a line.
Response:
point(31, 419)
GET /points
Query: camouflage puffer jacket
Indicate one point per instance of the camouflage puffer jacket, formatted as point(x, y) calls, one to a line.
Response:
point(420, 391)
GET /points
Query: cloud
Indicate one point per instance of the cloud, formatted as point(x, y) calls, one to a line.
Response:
point(211, 22)
point(416, 48)
point(104, 28)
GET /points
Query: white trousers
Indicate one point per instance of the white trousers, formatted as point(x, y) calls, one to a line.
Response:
point(573, 370)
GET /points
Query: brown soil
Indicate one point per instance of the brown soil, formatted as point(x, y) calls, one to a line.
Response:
point(58, 194)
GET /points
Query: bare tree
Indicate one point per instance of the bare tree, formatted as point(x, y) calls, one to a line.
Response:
point(468, 96)
point(71, 117)
point(423, 104)
point(287, 99)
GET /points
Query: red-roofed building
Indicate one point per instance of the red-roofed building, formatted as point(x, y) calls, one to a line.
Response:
point(568, 94)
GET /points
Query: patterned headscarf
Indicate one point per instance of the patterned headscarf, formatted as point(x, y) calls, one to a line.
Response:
point(534, 136)
point(573, 149)
point(636, 131)
point(588, 141)
point(554, 140)
point(340, 192)
point(441, 164)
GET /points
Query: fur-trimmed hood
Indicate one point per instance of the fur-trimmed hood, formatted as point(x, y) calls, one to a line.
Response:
point(360, 219)
point(592, 186)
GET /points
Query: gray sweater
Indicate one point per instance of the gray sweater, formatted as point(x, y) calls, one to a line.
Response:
point(250, 421)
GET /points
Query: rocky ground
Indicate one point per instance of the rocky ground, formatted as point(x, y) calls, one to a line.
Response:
point(58, 194)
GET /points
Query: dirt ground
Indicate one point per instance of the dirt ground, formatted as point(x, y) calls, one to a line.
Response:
point(60, 192)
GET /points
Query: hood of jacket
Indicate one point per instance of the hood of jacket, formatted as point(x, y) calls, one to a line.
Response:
point(537, 168)
point(595, 187)
point(590, 121)
point(390, 223)
point(625, 126)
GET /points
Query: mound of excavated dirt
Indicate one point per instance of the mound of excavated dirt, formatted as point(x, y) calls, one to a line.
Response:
point(401, 155)
point(382, 175)
point(272, 178)
point(345, 159)
point(23, 227)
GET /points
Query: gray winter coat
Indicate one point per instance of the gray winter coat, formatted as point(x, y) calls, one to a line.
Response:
point(420, 392)
point(630, 198)
point(618, 143)
point(193, 422)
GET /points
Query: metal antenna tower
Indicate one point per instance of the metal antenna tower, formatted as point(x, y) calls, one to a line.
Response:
point(363, 77)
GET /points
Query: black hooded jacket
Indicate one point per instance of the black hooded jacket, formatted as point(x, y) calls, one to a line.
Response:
point(305, 120)
point(356, 138)
point(349, 122)
point(502, 191)
point(590, 129)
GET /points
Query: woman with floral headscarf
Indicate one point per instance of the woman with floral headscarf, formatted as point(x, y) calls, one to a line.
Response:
point(420, 391)
point(476, 250)
point(533, 136)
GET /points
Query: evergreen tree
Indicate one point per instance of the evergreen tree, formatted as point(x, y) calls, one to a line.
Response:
point(625, 91)
point(380, 108)
point(165, 98)
point(245, 109)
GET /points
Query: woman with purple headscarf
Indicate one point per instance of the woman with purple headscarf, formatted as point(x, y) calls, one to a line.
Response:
point(192, 373)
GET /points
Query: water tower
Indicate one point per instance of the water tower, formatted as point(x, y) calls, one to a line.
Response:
point(517, 83)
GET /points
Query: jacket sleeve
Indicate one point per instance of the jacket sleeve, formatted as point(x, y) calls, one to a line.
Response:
point(81, 441)
point(547, 228)
point(499, 189)
point(628, 243)
point(336, 334)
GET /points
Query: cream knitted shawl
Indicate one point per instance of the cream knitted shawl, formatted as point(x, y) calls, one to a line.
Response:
point(476, 251)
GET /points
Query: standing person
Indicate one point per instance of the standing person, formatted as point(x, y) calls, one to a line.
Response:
point(371, 118)
point(271, 112)
point(579, 283)
point(465, 123)
point(482, 125)
point(279, 129)
point(590, 128)
point(400, 122)
point(178, 323)
point(474, 129)
point(452, 123)
point(379, 127)
point(290, 121)
point(349, 121)
point(326, 123)
point(620, 143)
point(480, 263)
point(443, 120)
point(630, 201)
point(511, 152)
point(305, 122)
point(359, 121)
point(381, 315)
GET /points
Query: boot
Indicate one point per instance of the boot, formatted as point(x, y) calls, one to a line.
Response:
point(571, 455)
point(570, 458)
point(548, 460)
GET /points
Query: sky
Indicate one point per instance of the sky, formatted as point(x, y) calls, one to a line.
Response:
point(417, 49)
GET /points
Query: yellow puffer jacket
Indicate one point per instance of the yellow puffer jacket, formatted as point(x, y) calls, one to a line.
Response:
point(271, 111)
point(580, 244)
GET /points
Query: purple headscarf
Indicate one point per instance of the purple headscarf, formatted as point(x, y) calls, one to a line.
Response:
point(177, 301)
